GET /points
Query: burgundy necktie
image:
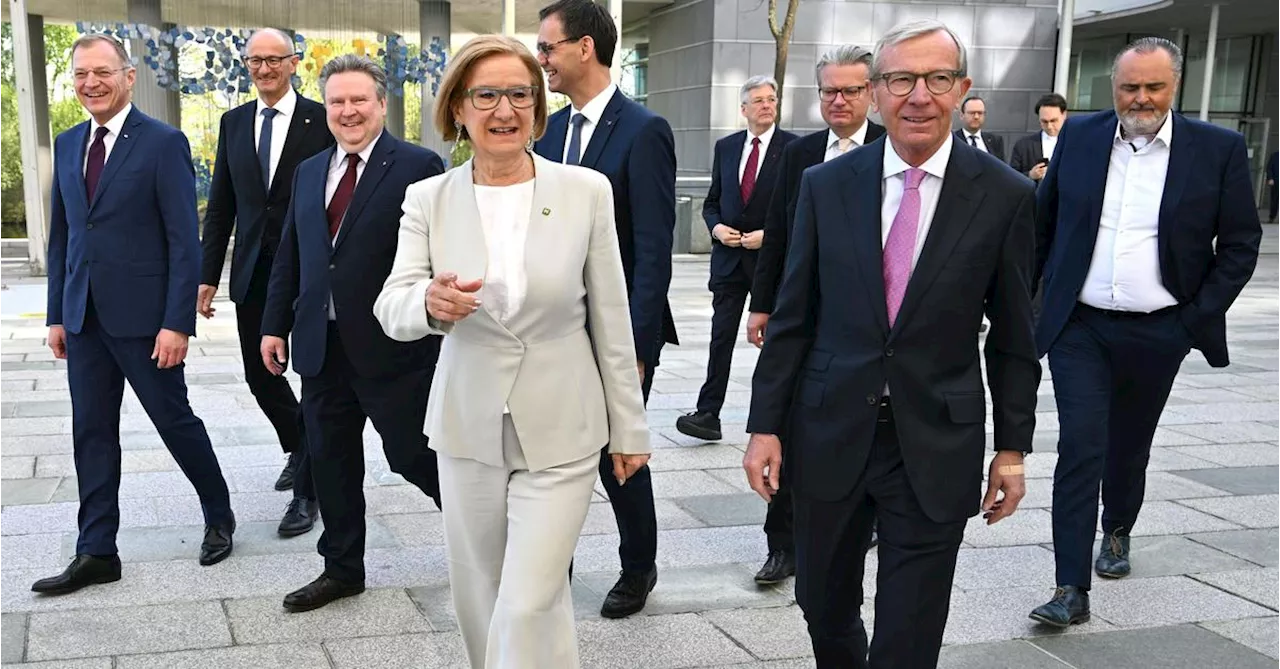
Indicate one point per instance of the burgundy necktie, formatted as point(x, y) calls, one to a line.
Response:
point(342, 197)
point(749, 173)
point(97, 158)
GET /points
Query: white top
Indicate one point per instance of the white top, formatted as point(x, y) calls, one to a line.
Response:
point(504, 217)
point(279, 128)
point(981, 144)
point(593, 110)
point(1124, 274)
point(1047, 144)
point(859, 138)
point(337, 168)
point(765, 137)
point(930, 190)
point(114, 126)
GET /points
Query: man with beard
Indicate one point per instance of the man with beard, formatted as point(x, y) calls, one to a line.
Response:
point(1141, 262)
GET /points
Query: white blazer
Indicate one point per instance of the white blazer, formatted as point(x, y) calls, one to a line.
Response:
point(565, 364)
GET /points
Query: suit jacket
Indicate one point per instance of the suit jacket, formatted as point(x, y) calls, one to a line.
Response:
point(634, 148)
point(136, 240)
point(564, 364)
point(1208, 234)
point(995, 143)
point(829, 350)
point(724, 203)
point(309, 268)
point(238, 199)
point(796, 158)
point(1027, 152)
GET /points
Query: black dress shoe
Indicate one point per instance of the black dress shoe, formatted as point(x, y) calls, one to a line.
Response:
point(299, 517)
point(777, 568)
point(83, 570)
point(217, 543)
point(1113, 559)
point(320, 592)
point(629, 594)
point(285, 482)
point(1069, 606)
point(700, 425)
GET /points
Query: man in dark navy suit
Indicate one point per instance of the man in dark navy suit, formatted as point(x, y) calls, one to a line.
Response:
point(843, 78)
point(1031, 154)
point(1148, 233)
point(743, 173)
point(123, 268)
point(635, 148)
point(339, 242)
point(259, 145)
point(973, 115)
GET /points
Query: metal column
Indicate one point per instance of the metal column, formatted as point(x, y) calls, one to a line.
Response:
point(148, 95)
point(1210, 54)
point(33, 127)
point(615, 11)
point(1062, 69)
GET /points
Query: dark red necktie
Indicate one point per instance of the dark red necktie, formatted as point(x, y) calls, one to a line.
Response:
point(749, 173)
point(342, 197)
point(97, 158)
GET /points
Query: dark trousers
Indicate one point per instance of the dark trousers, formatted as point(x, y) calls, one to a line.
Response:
point(335, 405)
point(98, 364)
point(274, 395)
point(1112, 373)
point(917, 560)
point(632, 508)
point(728, 298)
point(778, 529)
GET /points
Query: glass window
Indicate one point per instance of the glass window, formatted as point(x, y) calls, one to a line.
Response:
point(1230, 92)
point(1089, 81)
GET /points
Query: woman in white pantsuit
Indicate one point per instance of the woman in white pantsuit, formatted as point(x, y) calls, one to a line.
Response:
point(515, 260)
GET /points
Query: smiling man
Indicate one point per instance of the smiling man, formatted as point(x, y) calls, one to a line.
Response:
point(260, 143)
point(1148, 233)
point(908, 237)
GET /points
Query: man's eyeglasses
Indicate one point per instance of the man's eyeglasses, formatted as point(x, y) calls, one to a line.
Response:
point(485, 98)
point(100, 73)
point(938, 82)
point(255, 62)
point(829, 93)
point(546, 49)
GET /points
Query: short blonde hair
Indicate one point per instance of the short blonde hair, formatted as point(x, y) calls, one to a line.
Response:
point(453, 86)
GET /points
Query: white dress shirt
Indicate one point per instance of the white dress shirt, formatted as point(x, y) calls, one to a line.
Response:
point(1047, 144)
point(114, 126)
point(1124, 274)
point(891, 188)
point(279, 128)
point(765, 138)
point(981, 144)
point(592, 111)
point(859, 138)
point(337, 168)
point(504, 217)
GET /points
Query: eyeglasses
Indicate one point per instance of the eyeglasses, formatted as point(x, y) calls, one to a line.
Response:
point(938, 82)
point(546, 49)
point(100, 73)
point(828, 94)
point(762, 101)
point(255, 62)
point(485, 98)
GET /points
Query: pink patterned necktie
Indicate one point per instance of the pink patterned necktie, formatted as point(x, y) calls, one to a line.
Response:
point(900, 247)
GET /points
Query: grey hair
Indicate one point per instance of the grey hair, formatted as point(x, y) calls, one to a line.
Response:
point(756, 82)
point(845, 54)
point(1150, 45)
point(350, 62)
point(913, 29)
point(284, 36)
point(94, 38)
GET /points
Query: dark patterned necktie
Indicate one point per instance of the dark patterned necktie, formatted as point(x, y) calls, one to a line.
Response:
point(97, 159)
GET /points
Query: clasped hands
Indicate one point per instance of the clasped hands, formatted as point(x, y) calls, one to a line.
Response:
point(733, 238)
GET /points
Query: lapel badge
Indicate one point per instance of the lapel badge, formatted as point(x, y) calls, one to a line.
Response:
point(306, 120)
point(546, 211)
point(125, 136)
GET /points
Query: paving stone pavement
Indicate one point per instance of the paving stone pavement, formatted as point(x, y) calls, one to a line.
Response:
point(1202, 593)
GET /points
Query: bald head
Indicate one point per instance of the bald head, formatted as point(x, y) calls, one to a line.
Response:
point(272, 38)
point(271, 58)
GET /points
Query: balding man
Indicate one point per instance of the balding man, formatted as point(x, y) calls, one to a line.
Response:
point(259, 145)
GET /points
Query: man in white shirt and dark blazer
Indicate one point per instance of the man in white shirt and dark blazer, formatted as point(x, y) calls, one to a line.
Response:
point(973, 116)
point(1147, 233)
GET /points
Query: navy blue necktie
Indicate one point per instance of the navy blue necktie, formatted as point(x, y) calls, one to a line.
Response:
point(575, 140)
point(264, 146)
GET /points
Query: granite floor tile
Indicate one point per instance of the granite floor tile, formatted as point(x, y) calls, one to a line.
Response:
point(405, 651)
point(1257, 546)
point(1162, 518)
point(1256, 511)
point(27, 491)
point(1180, 647)
point(268, 656)
point(1166, 600)
point(17, 467)
point(13, 637)
point(1258, 585)
point(375, 612)
point(1235, 455)
point(130, 629)
point(725, 510)
point(1238, 480)
point(693, 589)
point(666, 642)
point(998, 655)
point(1259, 634)
point(770, 633)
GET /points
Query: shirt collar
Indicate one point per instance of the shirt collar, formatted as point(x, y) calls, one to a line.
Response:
point(594, 109)
point(1044, 137)
point(284, 105)
point(764, 136)
point(340, 156)
point(859, 136)
point(936, 165)
point(968, 134)
point(115, 124)
point(1164, 134)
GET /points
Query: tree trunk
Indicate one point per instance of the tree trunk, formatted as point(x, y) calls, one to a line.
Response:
point(782, 42)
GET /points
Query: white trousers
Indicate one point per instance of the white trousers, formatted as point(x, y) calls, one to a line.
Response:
point(510, 536)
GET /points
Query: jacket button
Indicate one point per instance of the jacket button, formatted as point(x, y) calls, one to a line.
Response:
point(873, 400)
point(332, 266)
point(888, 352)
point(88, 226)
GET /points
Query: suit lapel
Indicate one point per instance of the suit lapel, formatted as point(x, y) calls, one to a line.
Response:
point(600, 135)
point(862, 207)
point(816, 149)
point(1182, 155)
point(731, 171)
point(380, 161)
point(957, 204)
point(464, 240)
point(303, 122)
point(1098, 139)
point(77, 170)
point(768, 166)
point(119, 153)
